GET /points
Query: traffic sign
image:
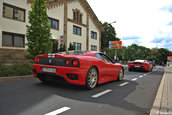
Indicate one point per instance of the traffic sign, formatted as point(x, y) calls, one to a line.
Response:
point(115, 44)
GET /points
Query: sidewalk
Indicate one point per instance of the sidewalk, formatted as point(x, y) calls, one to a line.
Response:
point(163, 101)
point(14, 78)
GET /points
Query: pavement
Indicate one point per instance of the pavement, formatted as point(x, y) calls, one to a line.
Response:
point(163, 101)
point(14, 78)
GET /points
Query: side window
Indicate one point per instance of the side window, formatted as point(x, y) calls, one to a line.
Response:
point(106, 58)
point(98, 56)
point(103, 57)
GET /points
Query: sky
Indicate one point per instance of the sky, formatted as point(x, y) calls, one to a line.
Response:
point(144, 22)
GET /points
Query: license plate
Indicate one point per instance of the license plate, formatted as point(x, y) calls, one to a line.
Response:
point(136, 66)
point(49, 70)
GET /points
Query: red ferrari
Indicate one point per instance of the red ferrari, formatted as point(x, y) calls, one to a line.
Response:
point(140, 65)
point(87, 68)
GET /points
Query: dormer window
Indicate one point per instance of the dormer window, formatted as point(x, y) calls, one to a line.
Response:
point(77, 15)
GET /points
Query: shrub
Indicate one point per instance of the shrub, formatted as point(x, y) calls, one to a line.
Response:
point(15, 69)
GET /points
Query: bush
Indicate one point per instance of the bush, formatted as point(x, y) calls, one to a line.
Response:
point(15, 69)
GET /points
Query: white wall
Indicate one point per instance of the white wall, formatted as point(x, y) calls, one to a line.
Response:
point(76, 38)
point(92, 27)
point(74, 5)
point(10, 25)
point(57, 13)
point(15, 26)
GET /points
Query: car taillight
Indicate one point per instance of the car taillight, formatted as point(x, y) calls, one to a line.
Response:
point(67, 62)
point(75, 63)
point(37, 60)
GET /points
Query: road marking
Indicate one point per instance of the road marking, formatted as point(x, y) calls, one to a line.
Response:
point(58, 111)
point(145, 74)
point(154, 69)
point(134, 79)
point(125, 83)
point(101, 93)
point(141, 76)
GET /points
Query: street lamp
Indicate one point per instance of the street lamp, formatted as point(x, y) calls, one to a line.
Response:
point(115, 57)
point(113, 22)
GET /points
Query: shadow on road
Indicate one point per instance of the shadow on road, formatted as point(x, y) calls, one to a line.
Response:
point(116, 98)
point(19, 96)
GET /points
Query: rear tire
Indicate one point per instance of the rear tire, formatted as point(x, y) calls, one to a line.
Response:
point(92, 78)
point(121, 75)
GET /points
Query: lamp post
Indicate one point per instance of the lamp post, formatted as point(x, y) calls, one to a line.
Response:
point(113, 22)
point(115, 57)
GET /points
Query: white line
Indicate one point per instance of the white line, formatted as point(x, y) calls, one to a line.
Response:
point(101, 93)
point(125, 83)
point(134, 79)
point(141, 76)
point(145, 74)
point(58, 111)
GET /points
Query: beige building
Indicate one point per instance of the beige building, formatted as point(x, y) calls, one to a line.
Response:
point(71, 21)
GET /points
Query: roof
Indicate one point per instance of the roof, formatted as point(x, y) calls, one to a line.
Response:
point(87, 7)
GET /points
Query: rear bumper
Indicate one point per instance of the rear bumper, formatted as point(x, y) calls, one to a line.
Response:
point(141, 68)
point(72, 75)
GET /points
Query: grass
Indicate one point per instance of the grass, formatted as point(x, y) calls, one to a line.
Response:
point(15, 69)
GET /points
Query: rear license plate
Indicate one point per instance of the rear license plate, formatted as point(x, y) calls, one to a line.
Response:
point(49, 70)
point(136, 66)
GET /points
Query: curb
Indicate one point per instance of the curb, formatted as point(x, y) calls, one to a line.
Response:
point(157, 102)
point(14, 78)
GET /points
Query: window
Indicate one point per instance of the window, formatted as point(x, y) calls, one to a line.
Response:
point(93, 35)
point(93, 48)
point(104, 58)
point(77, 15)
point(53, 23)
point(13, 12)
point(77, 46)
point(13, 40)
point(98, 56)
point(76, 52)
point(77, 30)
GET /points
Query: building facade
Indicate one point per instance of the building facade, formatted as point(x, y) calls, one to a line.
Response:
point(72, 21)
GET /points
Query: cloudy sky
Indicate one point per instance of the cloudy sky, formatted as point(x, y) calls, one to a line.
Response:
point(144, 22)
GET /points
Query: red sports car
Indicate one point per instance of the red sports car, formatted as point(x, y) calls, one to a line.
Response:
point(140, 65)
point(87, 68)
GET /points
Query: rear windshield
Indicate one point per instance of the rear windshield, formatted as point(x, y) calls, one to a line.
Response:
point(76, 52)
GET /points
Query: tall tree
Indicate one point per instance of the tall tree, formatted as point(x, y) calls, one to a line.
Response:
point(109, 34)
point(62, 48)
point(71, 46)
point(38, 31)
point(55, 46)
point(164, 53)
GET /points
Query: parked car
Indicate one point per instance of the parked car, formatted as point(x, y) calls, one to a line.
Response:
point(150, 62)
point(87, 68)
point(140, 65)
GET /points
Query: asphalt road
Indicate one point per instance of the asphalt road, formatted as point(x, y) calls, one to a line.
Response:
point(133, 96)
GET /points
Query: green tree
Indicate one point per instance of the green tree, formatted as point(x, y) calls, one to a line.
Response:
point(164, 53)
point(38, 31)
point(134, 52)
point(71, 46)
point(55, 46)
point(62, 48)
point(109, 34)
